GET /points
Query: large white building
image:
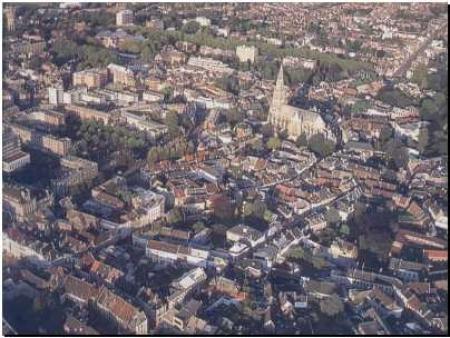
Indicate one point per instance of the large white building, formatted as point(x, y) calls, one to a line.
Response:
point(13, 157)
point(125, 18)
point(56, 95)
point(210, 65)
point(246, 53)
point(245, 233)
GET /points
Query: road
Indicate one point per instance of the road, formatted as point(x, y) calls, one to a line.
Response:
point(7, 327)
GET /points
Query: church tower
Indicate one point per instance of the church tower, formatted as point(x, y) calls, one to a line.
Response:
point(279, 97)
point(10, 13)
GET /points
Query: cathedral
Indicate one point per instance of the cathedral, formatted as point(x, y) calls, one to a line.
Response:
point(293, 120)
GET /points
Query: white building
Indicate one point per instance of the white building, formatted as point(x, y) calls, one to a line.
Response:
point(210, 65)
point(246, 53)
point(55, 95)
point(244, 233)
point(147, 207)
point(202, 21)
point(125, 18)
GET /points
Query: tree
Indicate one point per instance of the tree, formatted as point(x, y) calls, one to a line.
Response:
point(248, 209)
point(302, 140)
point(258, 209)
point(296, 253)
point(423, 139)
point(171, 122)
point(168, 93)
point(345, 230)
point(268, 215)
point(198, 226)
point(234, 116)
point(386, 134)
point(152, 156)
point(273, 143)
point(331, 306)
point(360, 106)
point(191, 27)
point(395, 98)
point(63, 51)
point(428, 109)
point(397, 153)
point(223, 207)
point(175, 216)
point(35, 63)
point(320, 146)
point(332, 216)
point(267, 130)
point(420, 76)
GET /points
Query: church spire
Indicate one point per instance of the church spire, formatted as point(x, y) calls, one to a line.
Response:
point(280, 77)
point(279, 95)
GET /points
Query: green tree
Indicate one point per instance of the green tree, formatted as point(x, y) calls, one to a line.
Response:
point(191, 27)
point(423, 139)
point(397, 153)
point(175, 216)
point(234, 116)
point(248, 209)
point(152, 156)
point(302, 140)
point(428, 109)
point(320, 146)
point(267, 130)
point(198, 226)
point(420, 76)
point(332, 216)
point(345, 229)
point(258, 209)
point(386, 134)
point(168, 93)
point(171, 122)
point(331, 306)
point(273, 143)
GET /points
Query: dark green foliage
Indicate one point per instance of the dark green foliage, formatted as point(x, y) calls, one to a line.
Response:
point(395, 98)
point(320, 146)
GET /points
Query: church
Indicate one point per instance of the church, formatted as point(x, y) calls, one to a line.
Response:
point(295, 121)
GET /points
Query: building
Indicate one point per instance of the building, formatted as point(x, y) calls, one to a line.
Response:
point(56, 95)
point(91, 78)
point(153, 128)
point(147, 207)
point(246, 53)
point(49, 118)
point(209, 65)
point(42, 141)
point(342, 249)
point(75, 171)
point(79, 291)
point(121, 75)
point(29, 48)
point(167, 252)
point(185, 285)
point(125, 18)
point(127, 317)
point(293, 120)
point(13, 157)
point(244, 233)
point(18, 202)
point(202, 21)
point(74, 327)
point(85, 113)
